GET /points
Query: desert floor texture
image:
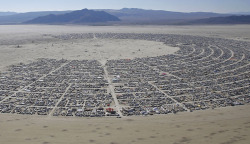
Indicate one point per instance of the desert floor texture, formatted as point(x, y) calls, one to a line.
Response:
point(26, 43)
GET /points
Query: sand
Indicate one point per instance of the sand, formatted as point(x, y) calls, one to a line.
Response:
point(35, 41)
point(99, 49)
point(240, 32)
point(223, 126)
point(219, 126)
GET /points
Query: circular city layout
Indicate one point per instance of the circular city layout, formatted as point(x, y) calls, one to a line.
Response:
point(205, 73)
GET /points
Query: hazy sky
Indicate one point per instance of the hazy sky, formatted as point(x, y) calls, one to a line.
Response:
point(222, 6)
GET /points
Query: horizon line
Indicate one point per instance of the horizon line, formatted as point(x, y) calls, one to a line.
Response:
point(129, 8)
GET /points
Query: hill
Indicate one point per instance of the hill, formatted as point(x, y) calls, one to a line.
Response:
point(7, 13)
point(142, 16)
point(243, 19)
point(126, 15)
point(22, 17)
point(75, 17)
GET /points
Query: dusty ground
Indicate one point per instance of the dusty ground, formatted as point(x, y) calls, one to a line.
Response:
point(240, 32)
point(220, 126)
point(223, 126)
point(99, 49)
point(34, 41)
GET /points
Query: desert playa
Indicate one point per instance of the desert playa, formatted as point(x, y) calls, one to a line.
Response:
point(163, 84)
point(219, 126)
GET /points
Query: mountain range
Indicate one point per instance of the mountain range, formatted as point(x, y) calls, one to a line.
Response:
point(7, 13)
point(75, 17)
point(141, 16)
point(243, 19)
point(125, 16)
point(23, 17)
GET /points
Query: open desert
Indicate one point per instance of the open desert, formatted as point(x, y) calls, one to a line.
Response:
point(27, 43)
point(35, 41)
point(220, 126)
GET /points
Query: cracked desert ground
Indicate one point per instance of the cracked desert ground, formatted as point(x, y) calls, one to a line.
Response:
point(228, 125)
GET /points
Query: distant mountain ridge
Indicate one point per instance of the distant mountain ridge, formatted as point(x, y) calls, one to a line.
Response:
point(22, 17)
point(159, 14)
point(142, 16)
point(75, 17)
point(243, 19)
point(242, 13)
point(125, 16)
point(7, 13)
